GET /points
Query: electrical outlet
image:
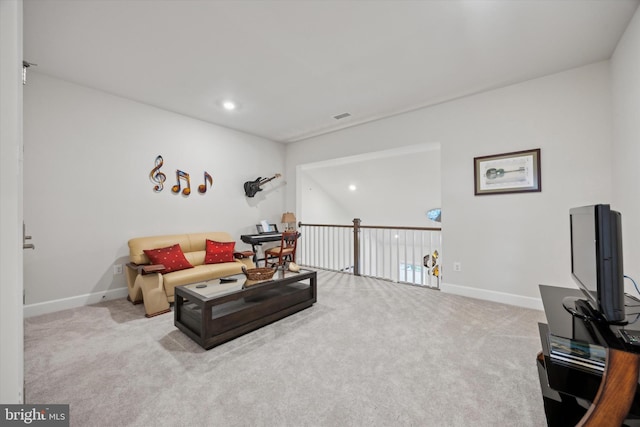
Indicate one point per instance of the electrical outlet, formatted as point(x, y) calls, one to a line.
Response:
point(117, 269)
point(457, 266)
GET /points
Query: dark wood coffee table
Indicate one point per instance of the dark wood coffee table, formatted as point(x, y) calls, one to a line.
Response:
point(218, 312)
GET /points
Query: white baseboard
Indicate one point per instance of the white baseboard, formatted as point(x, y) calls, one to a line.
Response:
point(37, 309)
point(88, 299)
point(484, 294)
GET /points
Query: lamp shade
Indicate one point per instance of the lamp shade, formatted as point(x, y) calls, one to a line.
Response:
point(288, 217)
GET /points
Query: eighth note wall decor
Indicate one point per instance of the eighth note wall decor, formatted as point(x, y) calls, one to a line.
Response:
point(183, 180)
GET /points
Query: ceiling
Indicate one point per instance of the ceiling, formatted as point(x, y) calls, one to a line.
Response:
point(291, 66)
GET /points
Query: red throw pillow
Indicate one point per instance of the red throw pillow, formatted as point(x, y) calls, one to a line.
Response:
point(171, 257)
point(218, 252)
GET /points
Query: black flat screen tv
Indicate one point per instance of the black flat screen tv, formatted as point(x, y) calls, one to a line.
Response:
point(596, 259)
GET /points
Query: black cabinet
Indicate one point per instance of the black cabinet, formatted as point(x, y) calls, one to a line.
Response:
point(568, 390)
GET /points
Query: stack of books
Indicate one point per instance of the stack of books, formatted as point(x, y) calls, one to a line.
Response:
point(577, 353)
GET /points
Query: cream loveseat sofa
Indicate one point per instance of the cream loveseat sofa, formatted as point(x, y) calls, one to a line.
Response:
point(148, 284)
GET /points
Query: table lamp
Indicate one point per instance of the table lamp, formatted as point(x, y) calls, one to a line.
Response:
point(290, 219)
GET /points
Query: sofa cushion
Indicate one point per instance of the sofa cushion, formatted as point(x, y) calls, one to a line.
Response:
point(171, 257)
point(218, 252)
point(195, 258)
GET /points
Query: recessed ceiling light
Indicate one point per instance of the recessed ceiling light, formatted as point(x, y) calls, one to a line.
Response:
point(229, 105)
point(352, 187)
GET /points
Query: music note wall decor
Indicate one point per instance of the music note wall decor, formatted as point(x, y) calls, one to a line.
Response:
point(156, 176)
point(182, 175)
point(202, 188)
point(183, 180)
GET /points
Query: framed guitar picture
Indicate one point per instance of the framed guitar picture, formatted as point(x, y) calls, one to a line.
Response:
point(516, 172)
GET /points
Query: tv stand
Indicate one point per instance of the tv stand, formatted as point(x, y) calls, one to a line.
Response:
point(574, 395)
point(576, 307)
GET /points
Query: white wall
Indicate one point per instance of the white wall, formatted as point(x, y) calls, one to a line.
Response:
point(88, 156)
point(625, 72)
point(507, 244)
point(318, 205)
point(11, 325)
point(393, 187)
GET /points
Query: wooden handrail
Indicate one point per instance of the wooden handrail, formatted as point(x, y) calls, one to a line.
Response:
point(617, 391)
point(386, 227)
point(389, 227)
point(324, 225)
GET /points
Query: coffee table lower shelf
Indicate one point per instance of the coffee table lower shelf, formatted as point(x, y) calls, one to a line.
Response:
point(213, 320)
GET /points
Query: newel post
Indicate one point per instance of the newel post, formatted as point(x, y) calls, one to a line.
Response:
point(356, 246)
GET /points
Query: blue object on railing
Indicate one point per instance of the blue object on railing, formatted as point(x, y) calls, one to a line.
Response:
point(434, 214)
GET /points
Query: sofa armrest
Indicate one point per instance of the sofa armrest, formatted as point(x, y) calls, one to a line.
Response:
point(155, 268)
point(146, 268)
point(243, 254)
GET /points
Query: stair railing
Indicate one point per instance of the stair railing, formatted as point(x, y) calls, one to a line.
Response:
point(397, 253)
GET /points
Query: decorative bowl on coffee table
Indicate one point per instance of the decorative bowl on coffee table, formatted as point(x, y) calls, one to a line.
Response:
point(259, 273)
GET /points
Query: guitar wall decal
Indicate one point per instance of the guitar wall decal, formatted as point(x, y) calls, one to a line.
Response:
point(252, 187)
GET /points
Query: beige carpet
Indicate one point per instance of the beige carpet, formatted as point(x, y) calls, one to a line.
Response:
point(368, 353)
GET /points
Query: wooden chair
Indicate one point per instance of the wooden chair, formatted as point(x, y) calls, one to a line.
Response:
point(286, 250)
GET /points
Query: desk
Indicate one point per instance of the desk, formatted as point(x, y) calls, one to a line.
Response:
point(568, 391)
point(258, 239)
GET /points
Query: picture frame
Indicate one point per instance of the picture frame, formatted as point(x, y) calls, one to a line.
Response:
point(515, 172)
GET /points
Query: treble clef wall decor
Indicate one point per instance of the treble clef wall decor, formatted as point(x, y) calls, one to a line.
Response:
point(156, 176)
